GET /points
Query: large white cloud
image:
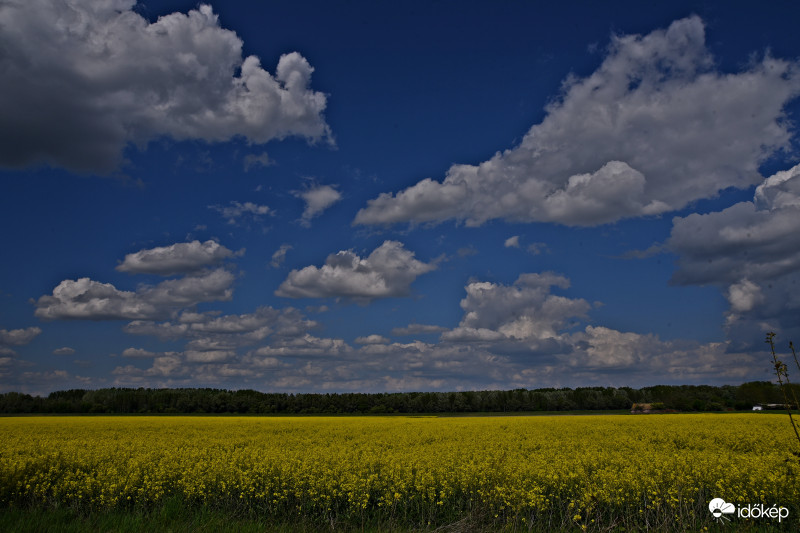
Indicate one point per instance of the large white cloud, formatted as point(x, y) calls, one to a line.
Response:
point(750, 250)
point(83, 78)
point(86, 299)
point(523, 311)
point(655, 127)
point(177, 258)
point(603, 347)
point(388, 271)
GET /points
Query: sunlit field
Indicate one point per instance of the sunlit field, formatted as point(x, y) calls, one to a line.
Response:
point(582, 472)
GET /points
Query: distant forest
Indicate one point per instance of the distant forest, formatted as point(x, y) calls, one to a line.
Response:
point(212, 401)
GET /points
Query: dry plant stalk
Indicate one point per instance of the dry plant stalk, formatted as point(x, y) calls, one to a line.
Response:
point(781, 371)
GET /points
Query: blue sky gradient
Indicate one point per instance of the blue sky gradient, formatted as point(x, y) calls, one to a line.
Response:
point(361, 196)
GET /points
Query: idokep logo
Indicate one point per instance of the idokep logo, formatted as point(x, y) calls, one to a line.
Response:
point(719, 508)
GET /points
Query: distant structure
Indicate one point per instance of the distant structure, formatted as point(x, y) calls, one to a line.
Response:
point(649, 408)
point(762, 406)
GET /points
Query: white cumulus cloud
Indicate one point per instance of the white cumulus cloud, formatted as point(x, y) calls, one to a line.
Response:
point(177, 258)
point(744, 296)
point(86, 299)
point(655, 127)
point(82, 79)
point(388, 271)
point(750, 250)
point(523, 311)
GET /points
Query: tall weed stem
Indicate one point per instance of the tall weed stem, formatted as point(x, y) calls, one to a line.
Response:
point(781, 371)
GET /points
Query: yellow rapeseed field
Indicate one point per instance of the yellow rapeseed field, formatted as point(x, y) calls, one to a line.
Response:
point(556, 470)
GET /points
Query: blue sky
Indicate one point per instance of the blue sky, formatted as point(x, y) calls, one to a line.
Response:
point(369, 196)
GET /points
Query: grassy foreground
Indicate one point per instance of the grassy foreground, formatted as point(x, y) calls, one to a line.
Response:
point(171, 517)
point(595, 473)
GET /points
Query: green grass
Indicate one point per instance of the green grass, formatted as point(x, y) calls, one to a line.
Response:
point(172, 517)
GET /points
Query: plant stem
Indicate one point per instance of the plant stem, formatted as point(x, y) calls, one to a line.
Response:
point(781, 372)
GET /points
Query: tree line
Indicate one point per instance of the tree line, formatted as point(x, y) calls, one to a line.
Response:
point(211, 401)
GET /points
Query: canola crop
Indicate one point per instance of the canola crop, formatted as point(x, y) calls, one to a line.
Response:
point(551, 471)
